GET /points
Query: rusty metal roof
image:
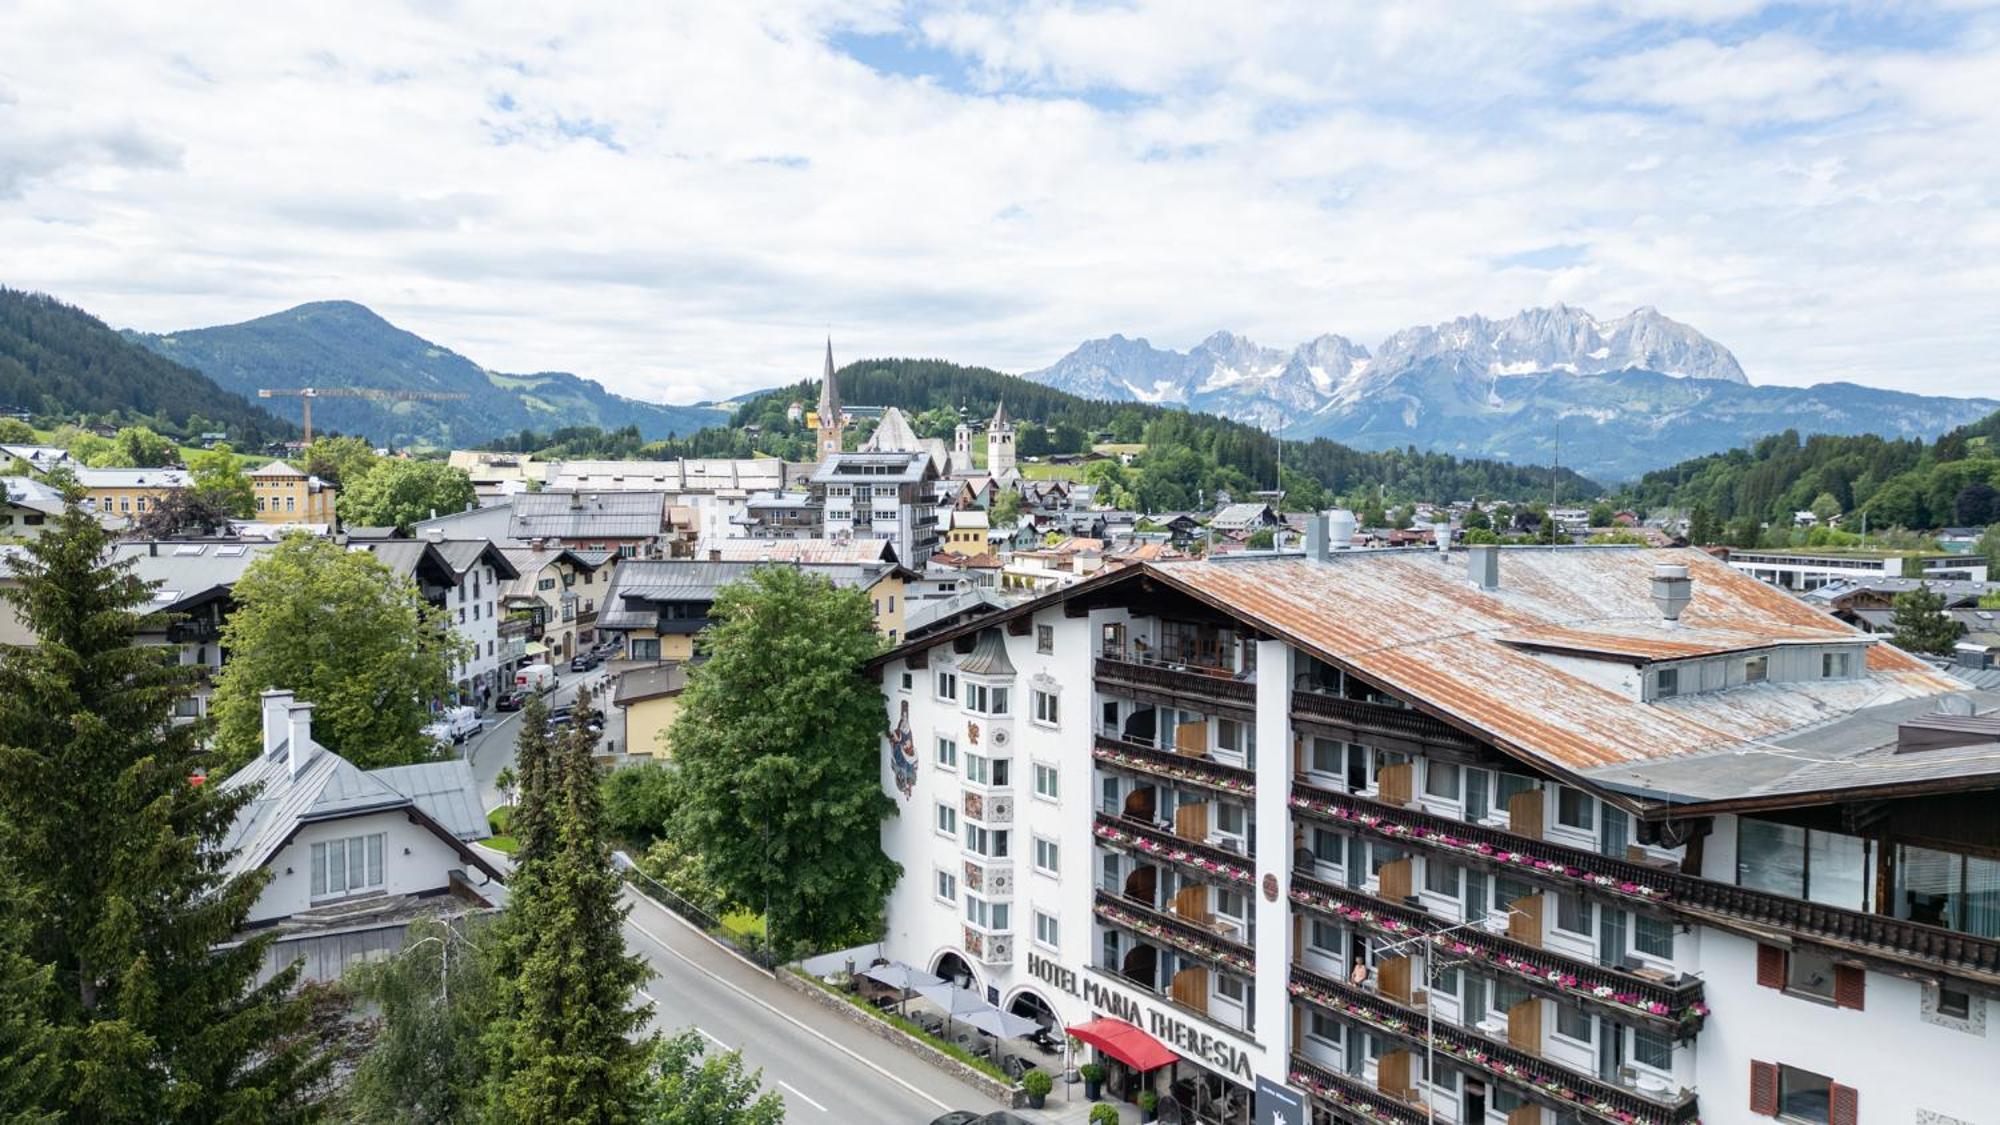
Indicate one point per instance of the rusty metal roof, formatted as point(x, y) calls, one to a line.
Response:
point(1645, 642)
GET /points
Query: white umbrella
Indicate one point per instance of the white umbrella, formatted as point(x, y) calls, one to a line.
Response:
point(954, 1000)
point(1001, 1025)
point(895, 974)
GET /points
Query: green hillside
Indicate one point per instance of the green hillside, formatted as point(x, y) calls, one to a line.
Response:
point(343, 344)
point(59, 363)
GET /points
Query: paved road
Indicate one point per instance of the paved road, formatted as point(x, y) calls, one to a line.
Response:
point(493, 748)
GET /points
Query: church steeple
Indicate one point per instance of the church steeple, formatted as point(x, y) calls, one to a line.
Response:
point(829, 423)
point(1000, 443)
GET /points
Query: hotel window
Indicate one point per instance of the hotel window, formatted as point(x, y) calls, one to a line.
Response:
point(1047, 930)
point(1441, 780)
point(983, 700)
point(909, 680)
point(947, 685)
point(1572, 913)
point(1809, 973)
point(976, 839)
point(1804, 1096)
point(947, 887)
point(1756, 669)
point(1666, 683)
point(347, 866)
point(1576, 809)
point(947, 820)
point(1329, 756)
point(1045, 638)
point(1231, 737)
point(1048, 781)
point(1572, 1022)
point(646, 649)
point(1048, 856)
point(1823, 867)
point(985, 915)
point(1323, 1027)
point(1653, 936)
point(947, 754)
point(1440, 877)
point(1046, 710)
point(1649, 1049)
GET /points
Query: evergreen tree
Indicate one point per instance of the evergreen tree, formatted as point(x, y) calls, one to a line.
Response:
point(1921, 624)
point(571, 1052)
point(777, 758)
point(1703, 528)
point(120, 860)
point(29, 1059)
point(535, 774)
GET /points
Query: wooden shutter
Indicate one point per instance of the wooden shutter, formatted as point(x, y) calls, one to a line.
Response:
point(1850, 986)
point(1764, 1088)
point(1771, 966)
point(1191, 822)
point(1394, 978)
point(1529, 1114)
point(1192, 739)
point(1524, 813)
point(1393, 784)
point(1192, 904)
point(1190, 988)
point(1844, 1105)
point(1392, 1074)
point(1395, 876)
point(1525, 925)
point(1524, 1026)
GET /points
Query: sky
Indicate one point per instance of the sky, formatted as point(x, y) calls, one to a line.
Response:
point(681, 199)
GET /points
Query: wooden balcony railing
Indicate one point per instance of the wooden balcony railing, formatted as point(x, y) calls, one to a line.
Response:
point(1675, 1008)
point(1179, 681)
point(1537, 1078)
point(1716, 903)
point(1352, 1094)
point(1184, 768)
point(1195, 941)
point(1363, 717)
point(1205, 861)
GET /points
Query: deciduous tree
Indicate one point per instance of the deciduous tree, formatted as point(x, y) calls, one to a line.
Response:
point(220, 480)
point(437, 997)
point(777, 752)
point(686, 1086)
point(336, 627)
point(397, 493)
point(344, 461)
point(120, 859)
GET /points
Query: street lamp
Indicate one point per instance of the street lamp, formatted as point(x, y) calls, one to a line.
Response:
point(1431, 965)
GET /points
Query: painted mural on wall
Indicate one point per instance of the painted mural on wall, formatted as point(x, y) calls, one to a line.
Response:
point(903, 754)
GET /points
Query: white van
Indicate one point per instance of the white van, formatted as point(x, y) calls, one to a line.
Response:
point(535, 677)
point(455, 726)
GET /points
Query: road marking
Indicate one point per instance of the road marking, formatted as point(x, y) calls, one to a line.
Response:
point(713, 1039)
point(787, 1017)
point(808, 1101)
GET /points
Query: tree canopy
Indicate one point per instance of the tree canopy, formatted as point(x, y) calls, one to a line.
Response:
point(398, 493)
point(337, 628)
point(1921, 623)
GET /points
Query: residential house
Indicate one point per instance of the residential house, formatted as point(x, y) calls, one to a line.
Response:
point(466, 579)
point(121, 496)
point(658, 606)
point(14, 632)
point(552, 604)
point(1243, 519)
point(38, 458)
point(192, 581)
point(715, 491)
point(27, 506)
point(352, 855)
point(890, 496)
point(287, 495)
point(1808, 570)
point(967, 531)
point(649, 696)
point(497, 476)
point(778, 515)
point(629, 524)
point(1523, 836)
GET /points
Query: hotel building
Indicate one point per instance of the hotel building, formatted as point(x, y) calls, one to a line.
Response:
point(1518, 836)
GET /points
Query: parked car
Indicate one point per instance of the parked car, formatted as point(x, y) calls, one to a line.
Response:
point(564, 715)
point(972, 1117)
point(584, 661)
point(514, 699)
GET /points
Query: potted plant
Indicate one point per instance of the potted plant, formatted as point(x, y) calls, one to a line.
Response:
point(1037, 1083)
point(1093, 1080)
point(1101, 1114)
point(1149, 1105)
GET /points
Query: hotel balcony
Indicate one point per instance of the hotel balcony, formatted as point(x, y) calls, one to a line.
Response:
point(1182, 768)
point(1526, 1073)
point(1673, 1007)
point(1149, 680)
point(1379, 724)
point(1346, 1095)
point(1626, 883)
point(1206, 943)
point(1197, 859)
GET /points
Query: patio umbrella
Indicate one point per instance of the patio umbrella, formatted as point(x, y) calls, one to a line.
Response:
point(1001, 1025)
point(904, 978)
point(955, 1001)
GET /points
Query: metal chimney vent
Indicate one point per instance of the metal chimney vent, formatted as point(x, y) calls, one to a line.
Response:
point(1483, 565)
point(1672, 589)
point(1316, 537)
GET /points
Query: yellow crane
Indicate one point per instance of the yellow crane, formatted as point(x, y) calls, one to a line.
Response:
point(306, 395)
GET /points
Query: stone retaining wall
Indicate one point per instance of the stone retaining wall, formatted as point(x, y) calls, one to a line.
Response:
point(1006, 1093)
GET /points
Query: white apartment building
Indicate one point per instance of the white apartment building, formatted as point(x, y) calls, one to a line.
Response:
point(890, 496)
point(1573, 834)
point(1809, 570)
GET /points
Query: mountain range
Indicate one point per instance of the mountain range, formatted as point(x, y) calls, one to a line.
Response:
point(1622, 395)
point(343, 344)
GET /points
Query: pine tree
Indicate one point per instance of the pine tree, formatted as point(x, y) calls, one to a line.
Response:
point(534, 772)
point(29, 1062)
point(572, 1055)
point(120, 859)
point(1921, 624)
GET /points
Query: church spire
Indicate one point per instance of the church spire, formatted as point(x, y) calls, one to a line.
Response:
point(829, 395)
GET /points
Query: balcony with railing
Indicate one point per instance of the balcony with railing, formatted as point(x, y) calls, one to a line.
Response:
point(1353, 1095)
point(1200, 771)
point(1530, 1075)
point(1627, 882)
point(1675, 1007)
point(1199, 942)
point(1361, 718)
point(1144, 676)
point(1203, 861)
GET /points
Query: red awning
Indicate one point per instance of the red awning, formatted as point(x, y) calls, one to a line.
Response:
point(1125, 1043)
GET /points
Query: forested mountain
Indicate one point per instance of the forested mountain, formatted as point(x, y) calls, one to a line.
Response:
point(1907, 483)
point(343, 344)
point(1225, 454)
point(58, 362)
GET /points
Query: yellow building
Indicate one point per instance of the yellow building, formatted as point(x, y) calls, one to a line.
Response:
point(650, 698)
point(966, 532)
point(286, 495)
point(120, 496)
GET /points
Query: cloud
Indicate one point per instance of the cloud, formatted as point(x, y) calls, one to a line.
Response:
point(679, 200)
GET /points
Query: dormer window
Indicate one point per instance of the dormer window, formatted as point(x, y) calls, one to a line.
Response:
point(1836, 665)
point(1756, 669)
point(1666, 683)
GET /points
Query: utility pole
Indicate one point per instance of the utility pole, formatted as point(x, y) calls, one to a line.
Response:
point(1555, 470)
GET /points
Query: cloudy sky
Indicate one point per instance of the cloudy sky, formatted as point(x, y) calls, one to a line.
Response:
point(680, 198)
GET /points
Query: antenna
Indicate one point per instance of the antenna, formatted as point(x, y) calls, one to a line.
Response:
point(1555, 470)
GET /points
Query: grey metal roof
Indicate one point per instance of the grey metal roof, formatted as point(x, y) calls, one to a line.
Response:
point(464, 554)
point(445, 790)
point(902, 468)
point(650, 683)
point(491, 522)
point(588, 515)
point(132, 478)
point(927, 613)
point(406, 557)
point(328, 788)
point(639, 586)
point(988, 656)
point(182, 569)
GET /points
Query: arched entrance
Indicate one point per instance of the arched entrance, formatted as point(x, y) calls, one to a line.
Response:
point(1030, 1004)
point(953, 968)
point(1142, 964)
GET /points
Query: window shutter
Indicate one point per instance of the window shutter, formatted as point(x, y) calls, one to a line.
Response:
point(1850, 986)
point(1764, 1088)
point(1770, 966)
point(1843, 1105)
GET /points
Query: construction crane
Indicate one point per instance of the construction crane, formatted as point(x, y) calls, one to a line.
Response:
point(306, 395)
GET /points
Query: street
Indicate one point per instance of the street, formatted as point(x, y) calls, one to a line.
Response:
point(825, 1069)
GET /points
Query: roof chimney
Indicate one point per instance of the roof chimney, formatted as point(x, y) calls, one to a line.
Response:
point(575, 500)
point(1340, 530)
point(1441, 533)
point(1671, 589)
point(300, 721)
point(276, 705)
point(1316, 537)
point(434, 534)
point(1483, 565)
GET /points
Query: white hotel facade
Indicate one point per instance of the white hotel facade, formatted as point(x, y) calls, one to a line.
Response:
point(1544, 839)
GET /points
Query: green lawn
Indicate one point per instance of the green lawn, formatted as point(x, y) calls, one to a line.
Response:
point(1042, 470)
point(500, 840)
